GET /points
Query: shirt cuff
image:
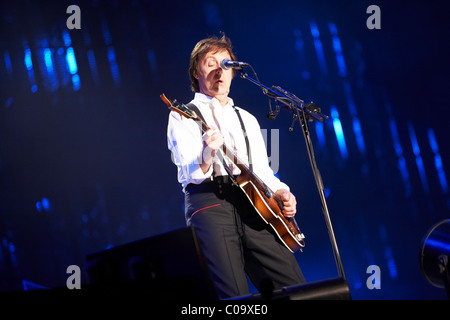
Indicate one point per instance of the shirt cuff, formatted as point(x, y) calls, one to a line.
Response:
point(196, 174)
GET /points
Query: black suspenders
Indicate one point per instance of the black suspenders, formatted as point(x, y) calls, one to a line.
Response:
point(246, 138)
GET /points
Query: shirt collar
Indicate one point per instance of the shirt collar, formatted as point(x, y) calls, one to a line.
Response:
point(212, 101)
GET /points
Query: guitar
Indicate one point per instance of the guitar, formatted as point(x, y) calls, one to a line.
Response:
point(266, 202)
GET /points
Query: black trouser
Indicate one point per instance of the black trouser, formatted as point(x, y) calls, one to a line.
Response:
point(236, 241)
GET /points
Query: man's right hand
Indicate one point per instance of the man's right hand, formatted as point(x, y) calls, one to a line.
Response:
point(212, 141)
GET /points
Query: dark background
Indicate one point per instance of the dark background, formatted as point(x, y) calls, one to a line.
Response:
point(85, 166)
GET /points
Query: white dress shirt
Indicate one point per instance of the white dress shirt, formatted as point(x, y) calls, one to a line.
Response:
point(185, 142)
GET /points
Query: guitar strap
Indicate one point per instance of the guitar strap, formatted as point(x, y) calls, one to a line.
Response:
point(246, 138)
point(194, 108)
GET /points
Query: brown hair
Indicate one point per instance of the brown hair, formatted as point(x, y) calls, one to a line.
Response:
point(202, 47)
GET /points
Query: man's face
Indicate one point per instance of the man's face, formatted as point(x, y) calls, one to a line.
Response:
point(214, 81)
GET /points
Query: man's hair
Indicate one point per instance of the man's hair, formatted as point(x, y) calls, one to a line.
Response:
point(211, 44)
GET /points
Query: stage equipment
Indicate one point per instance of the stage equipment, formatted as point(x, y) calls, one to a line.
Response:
point(167, 266)
point(304, 114)
point(226, 64)
point(329, 289)
point(435, 255)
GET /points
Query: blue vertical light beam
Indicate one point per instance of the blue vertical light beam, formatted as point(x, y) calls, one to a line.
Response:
point(66, 38)
point(319, 48)
point(320, 133)
point(73, 68)
point(419, 161)
point(113, 65)
point(50, 79)
point(71, 61)
point(8, 63)
point(339, 132)
point(342, 69)
point(438, 161)
point(401, 159)
point(93, 65)
point(357, 130)
point(27, 59)
point(29, 65)
point(48, 60)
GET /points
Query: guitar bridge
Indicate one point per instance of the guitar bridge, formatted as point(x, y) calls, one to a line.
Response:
point(300, 236)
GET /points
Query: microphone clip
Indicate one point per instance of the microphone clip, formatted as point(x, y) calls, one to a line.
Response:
point(273, 113)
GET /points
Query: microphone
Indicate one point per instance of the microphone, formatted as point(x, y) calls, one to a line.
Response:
point(226, 64)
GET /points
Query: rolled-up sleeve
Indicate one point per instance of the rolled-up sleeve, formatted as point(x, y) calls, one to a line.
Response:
point(184, 140)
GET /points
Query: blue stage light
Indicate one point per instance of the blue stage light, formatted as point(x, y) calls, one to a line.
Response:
point(437, 161)
point(8, 63)
point(319, 48)
point(338, 50)
point(66, 38)
point(419, 161)
point(93, 66)
point(358, 134)
point(76, 82)
point(48, 60)
point(113, 65)
point(27, 59)
point(339, 132)
point(71, 61)
point(320, 133)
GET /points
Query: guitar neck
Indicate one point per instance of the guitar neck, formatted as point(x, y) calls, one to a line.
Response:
point(227, 151)
point(245, 170)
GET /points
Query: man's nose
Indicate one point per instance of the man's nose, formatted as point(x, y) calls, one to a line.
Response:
point(218, 71)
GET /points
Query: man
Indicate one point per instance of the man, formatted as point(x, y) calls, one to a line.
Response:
point(234, 239)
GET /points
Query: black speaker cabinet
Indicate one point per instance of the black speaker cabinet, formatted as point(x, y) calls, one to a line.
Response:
point(328, 289)
point(167, 266)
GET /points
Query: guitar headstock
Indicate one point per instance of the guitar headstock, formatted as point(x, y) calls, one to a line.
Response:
point(179, 108)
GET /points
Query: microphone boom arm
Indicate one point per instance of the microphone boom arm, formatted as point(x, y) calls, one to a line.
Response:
point(288, 99)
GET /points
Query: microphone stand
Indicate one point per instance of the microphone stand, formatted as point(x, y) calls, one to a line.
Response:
point(303, 114)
